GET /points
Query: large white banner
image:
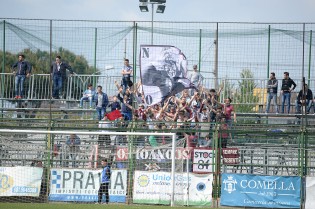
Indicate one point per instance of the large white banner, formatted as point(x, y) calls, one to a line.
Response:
point(82, 185)
point(155, 188)
point(20, 181)
point(163, 72)
point(310, 193)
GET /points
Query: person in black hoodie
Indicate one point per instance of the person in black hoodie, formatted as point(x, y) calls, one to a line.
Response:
point(288, 85)
point(307, 101)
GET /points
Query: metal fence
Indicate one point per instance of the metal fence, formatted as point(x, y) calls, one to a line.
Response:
point(251, 93)
point(220, 49)
point(260, 144)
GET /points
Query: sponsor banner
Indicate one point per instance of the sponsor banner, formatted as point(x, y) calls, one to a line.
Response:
point(162, 154)
point(155, 188)
point(81, 185)
point(260, 191)
point(202, 162)
point(20, 181)
point(310, 193)
point(230, 156)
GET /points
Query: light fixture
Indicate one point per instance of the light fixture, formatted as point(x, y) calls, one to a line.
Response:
point(143, 7)
point(158, 1)
point(160, 8)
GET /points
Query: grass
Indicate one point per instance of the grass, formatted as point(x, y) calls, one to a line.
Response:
point(84, 206)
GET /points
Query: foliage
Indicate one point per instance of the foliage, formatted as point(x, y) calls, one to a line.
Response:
point(244, 94)
point(41, 62)
point(227, 89)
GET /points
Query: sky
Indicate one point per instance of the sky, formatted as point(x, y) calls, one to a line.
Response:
point(266, 11)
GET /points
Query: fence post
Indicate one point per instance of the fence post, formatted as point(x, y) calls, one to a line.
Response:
point(95, 48)
point(3, 69)
point(303, 54)
point(309, 59)
point(216, 58)
point(199, 61)
point(268, 56)
point(216, 165)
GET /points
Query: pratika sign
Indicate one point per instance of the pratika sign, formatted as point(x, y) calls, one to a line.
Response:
point(260, 191)
point(82, 185)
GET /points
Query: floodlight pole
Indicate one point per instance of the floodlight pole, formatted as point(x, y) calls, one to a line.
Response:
point(152, 9)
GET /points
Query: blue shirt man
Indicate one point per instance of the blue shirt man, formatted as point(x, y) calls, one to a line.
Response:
point(105, 180)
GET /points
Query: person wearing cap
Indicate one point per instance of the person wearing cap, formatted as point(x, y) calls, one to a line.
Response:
point(195, 78)
point(87, 95)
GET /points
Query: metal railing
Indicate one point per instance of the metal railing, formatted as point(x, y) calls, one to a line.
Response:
point(39, 87)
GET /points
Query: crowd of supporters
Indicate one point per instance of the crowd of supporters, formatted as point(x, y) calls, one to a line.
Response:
point(193, 114)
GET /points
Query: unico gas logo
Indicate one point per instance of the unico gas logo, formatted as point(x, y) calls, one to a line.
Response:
point(6, 182)
point(143, 180)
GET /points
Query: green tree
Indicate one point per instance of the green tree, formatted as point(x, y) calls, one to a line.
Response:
point(244, 94)
point(41, 62)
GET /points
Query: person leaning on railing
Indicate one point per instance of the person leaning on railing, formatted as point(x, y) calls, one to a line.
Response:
point(58, 72)
point(307, 101)
point(21, 69)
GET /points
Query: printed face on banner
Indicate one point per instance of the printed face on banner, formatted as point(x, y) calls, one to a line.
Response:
point(160, 66)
